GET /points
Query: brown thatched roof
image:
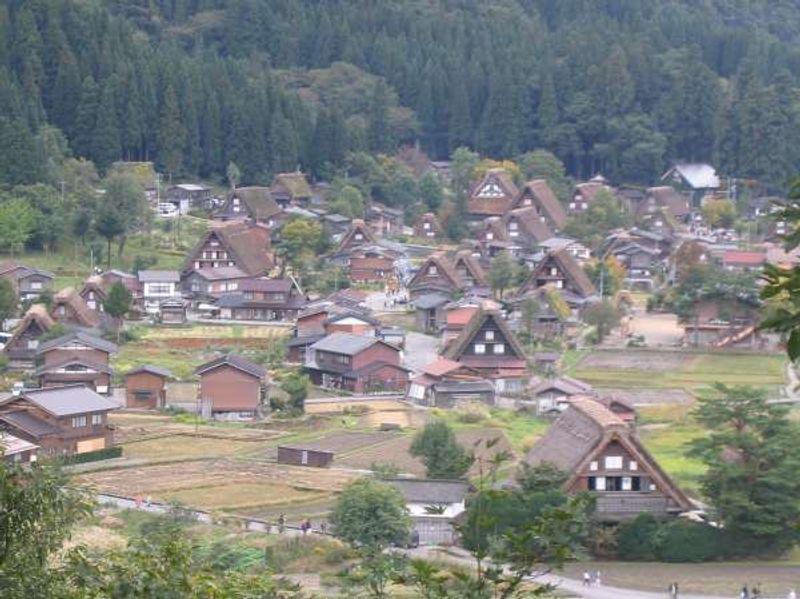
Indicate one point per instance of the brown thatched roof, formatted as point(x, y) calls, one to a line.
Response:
point(531, 223)
point(357, 226)
point(577, 279)
point(470, 263)
point(85, 315)
point(493, 194)
point(456, 349)
point(545, 200)
point(247, 243)
point(258, 201)
point(36, 313)
point(671, 199)
point(295, 184)
point(444, 268)
point(582, 432)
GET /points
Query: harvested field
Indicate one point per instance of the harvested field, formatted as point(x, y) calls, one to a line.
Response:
point(636, 360)
point(374, 413)
point(217, 483)
point(221, 331)
point(643, 397)
point(178, 447)
point(396, 452)
point(345, 442)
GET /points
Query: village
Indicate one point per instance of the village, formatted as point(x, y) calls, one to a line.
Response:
point(232, 385)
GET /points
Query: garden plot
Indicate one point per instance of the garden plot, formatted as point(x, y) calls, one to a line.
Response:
point(221, 484)
point(396, 451)
point(340, 443)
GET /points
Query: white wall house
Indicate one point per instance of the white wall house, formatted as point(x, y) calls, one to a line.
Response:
point(158, 285)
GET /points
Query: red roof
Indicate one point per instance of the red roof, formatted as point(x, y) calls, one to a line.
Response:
point(744, 258)
point(461, 316)
point(441, 367)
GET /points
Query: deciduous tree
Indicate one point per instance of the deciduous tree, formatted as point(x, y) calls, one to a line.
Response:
point(442, 454)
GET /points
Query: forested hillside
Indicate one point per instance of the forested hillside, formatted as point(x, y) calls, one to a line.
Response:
point(617, 86)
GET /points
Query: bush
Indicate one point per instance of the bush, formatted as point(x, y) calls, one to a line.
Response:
point(94, 456)
point(635, 538)
point(472, 412)
point(3, 362)
point(687, 541)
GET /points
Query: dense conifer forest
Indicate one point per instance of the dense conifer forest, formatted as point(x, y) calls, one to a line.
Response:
point(621, 87)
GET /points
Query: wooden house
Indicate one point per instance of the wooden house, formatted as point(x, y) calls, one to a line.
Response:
point(584, 194)
point(70, 309)
point(698, 179)
point(22, 347)
point(262, 299)
point(492, 237)
point(436, 275)
point(371, 264)
point(233, 386)
point(93, 293)
point(429, 311)
point(61, 420)
point(130, 280)
point(28, 282)
point(383, 220)
point(492, 194)
point(17, 451)
point(489, 346)
point(158, 286)
point(469, 270)
point(537, 194)
point(173, 311)
point(551, 396)
point(304, 455)
point(146, 387)
point(359, 234)
point(526, 228)
point(76, 357)
point(185, 196)
point(560, 271)
point(246, 246)
point(213, 282)
point(291, 189)
point(723, 321)
point(602, 454)
point(428, 227)
point(250, 203)
point(435, 506)
point(665, 198)
point(356, 363)
point(641, 264)
point(743, 261)
point(355, 323)
point(446, 383)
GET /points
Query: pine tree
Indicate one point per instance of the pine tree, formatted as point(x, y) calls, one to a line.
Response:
point(86, 118)
point(171, 133)
point(19, 161)
point(460, 121)
point(378, 132)
point(106, 146)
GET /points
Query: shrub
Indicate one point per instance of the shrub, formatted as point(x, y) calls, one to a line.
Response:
point(635, 538)
point(687, 541)
point(472, 412)
point(3, 362)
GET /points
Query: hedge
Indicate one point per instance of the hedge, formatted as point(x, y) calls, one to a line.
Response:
point(94, 456)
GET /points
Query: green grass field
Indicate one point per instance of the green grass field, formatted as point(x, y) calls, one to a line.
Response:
point(695, 371)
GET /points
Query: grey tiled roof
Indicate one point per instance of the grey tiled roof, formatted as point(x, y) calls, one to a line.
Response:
point(81, 336)
point(27, 422)
point(169, 276)
point(236, 361)
point(157, 370)
point(415, 490)
point(344, 343)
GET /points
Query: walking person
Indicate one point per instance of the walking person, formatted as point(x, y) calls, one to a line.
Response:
point(281, 523)
point(756, 592)
point(674, 590)
point(792, 594)
point(597, 580)
point(744, 594)
point(587, 579)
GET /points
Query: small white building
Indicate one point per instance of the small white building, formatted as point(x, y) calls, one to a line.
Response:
point(157, 286)
point(434, 505)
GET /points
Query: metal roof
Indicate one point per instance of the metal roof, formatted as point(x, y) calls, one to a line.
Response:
point(344, 343)
point(415, 490)
point(71, 399)
point(236, 361)
point(159, 276)
point(82, 337)
point(697, 175)
point(28, 423)
point(11, 445)
point(157, 370)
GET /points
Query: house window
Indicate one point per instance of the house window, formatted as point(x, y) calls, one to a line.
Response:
point(97, 419)
point(526, 202)
point(553, 271)
point(593, 465)
point(432, 270)
point(599, 483)
point(499, 348)
point(480, 348)
point(33, 343)
point(559, 284)
point(513, 225)
point(195, 286)
point(627, 483)
point(36, 285)
point(62, 310)
point(613, 462)
point(304, 457)
point(78, 421)
point(159, 289)
point(358, 236)
point(489, 336)
point(489, 236)
point(426, 226)
point(633, 465)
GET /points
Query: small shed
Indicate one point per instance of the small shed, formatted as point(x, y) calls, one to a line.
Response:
point(146, 387)
point(304, 456)
point(172, 311)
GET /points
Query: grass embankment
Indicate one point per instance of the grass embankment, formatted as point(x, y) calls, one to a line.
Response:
point(165, 248)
